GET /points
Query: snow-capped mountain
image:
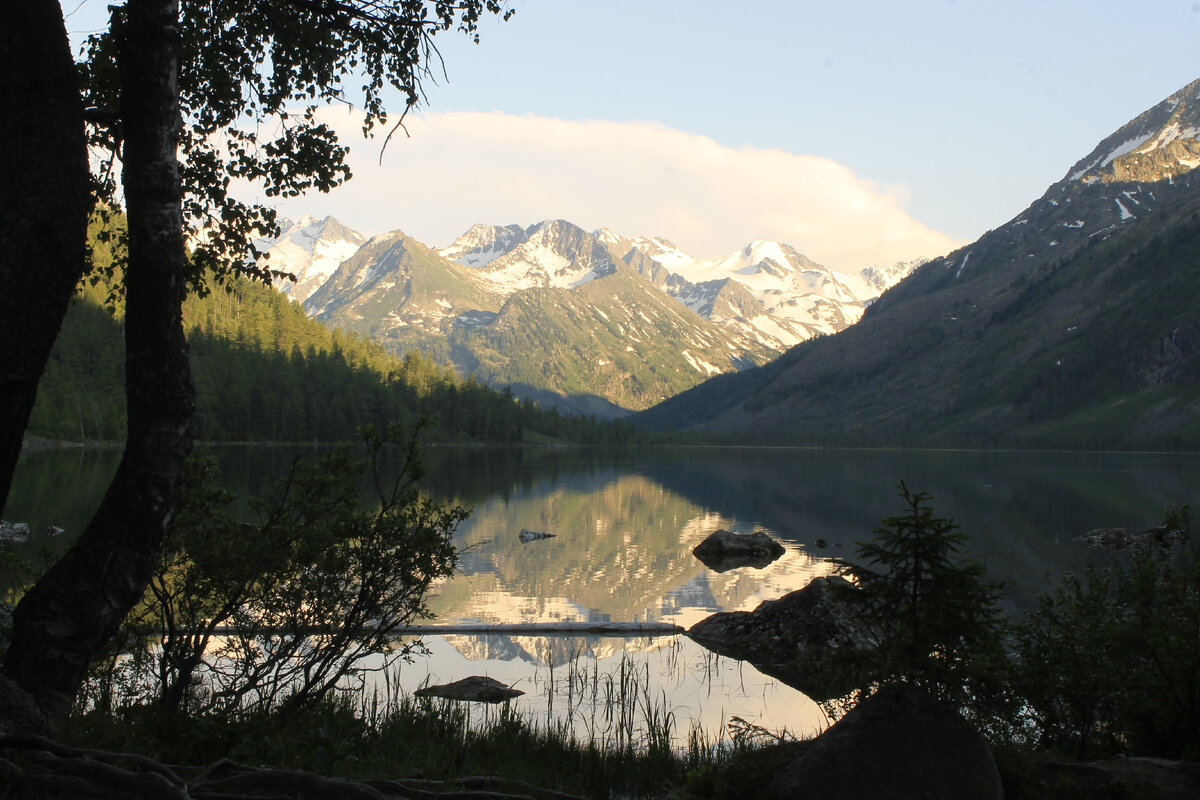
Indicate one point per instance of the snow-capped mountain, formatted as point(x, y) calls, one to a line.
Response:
point(551, 310)
point(482, 243)
point(310, 250)
point(768, 291)
point(553, 253)
point(591, 320)
point(1141, 167)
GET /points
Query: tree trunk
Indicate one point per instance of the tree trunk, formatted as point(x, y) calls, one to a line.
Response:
point(44, 204)
point(75, 608)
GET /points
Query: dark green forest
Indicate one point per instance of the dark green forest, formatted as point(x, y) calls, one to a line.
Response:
point(265, 372)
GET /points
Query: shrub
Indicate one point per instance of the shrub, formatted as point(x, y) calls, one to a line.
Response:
point(277, 614)
point(1110, 662)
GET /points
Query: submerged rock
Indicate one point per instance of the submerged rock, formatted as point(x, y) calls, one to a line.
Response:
point(724, 550)
point(473, 689)
point(899, 743)
point(1121, 538)
point(527, 535)
point(786, 638)
point(14, 531)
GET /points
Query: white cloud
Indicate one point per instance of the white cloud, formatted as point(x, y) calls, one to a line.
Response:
point(637, 178)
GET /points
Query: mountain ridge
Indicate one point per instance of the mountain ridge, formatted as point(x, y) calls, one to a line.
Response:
point(1014, 337)
point(451, 303)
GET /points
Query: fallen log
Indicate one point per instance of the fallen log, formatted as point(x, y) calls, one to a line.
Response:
point(502, 628)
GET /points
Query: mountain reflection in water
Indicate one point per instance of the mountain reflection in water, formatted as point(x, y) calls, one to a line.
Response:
point(623, 552)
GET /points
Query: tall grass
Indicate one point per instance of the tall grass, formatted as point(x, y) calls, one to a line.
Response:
point(616, 735)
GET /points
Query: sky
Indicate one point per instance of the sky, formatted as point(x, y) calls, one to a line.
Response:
point(859, 131)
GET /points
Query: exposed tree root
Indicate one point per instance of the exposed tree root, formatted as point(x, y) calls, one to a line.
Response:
point(37, 767)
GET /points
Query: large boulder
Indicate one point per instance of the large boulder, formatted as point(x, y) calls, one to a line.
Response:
point(724, 550)
point(898, 744)
point(789, 637)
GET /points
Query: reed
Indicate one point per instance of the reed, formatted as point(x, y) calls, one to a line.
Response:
point(616, 736)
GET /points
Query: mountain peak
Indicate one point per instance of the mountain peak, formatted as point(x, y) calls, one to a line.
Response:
point(554, 226)
point(311, 250)
point(1159, 144)
point(483, 243)
point(610, 238)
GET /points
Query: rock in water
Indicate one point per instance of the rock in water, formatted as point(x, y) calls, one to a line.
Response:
point(1121, 538)
point(724, 550)
point(788, 637)
point(14, 532)
point(475, 689)
point(900, 743)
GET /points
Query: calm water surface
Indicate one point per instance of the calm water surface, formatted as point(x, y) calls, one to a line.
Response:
point(625, 524)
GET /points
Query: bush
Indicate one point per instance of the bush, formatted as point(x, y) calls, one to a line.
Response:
point(275, 615)
point(1110, 662)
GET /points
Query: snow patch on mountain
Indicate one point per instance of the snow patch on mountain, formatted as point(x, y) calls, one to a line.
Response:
point(699, 364)
point(1124, 148)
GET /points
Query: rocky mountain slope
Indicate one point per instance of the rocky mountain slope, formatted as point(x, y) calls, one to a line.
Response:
point(399, 292)
point(1073, 323)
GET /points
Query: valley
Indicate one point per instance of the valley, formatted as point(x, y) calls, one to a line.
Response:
point(1068, 325)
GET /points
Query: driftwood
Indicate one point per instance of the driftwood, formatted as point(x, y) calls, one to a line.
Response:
point(552, 628)
point(33, 766)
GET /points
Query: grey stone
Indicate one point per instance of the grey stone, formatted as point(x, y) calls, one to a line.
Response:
point(724, 550)
point(898, 744)
point(787, 638)
point(1122, 538)
point(14, 531)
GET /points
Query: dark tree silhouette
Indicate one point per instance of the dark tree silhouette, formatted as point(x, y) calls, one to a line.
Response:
point(166, 78)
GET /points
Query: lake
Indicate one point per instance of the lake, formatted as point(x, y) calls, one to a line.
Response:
point(625, 523)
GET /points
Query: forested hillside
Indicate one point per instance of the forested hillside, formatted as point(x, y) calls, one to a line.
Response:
point(265, 372)
point(1072, 325)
